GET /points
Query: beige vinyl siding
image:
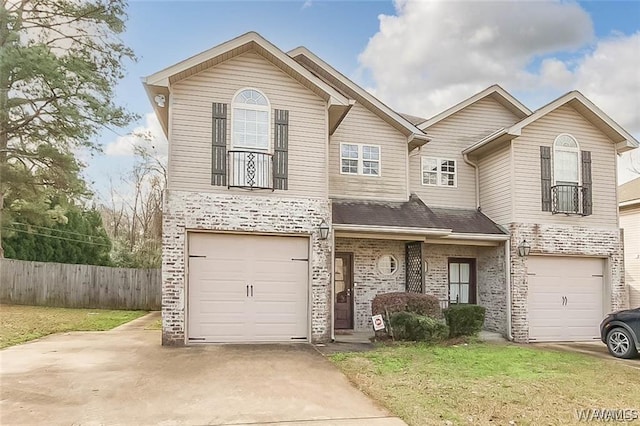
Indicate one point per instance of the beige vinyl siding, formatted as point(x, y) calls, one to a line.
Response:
point(190, 138)
point(495, 185)
point(361, 126)
point(526, 157)
point(448, 138)
point(630, 222)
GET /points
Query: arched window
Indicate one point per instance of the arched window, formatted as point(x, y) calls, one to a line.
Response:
point(566, 161)
point(566, 174)
point(251, 119)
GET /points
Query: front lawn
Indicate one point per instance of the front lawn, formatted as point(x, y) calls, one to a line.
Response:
point(19, 324)
point(489, 384)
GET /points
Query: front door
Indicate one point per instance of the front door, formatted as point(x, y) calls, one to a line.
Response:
point(343, 303)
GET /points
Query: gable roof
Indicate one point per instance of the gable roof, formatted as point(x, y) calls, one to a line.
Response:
point(496, 92)
point(320, 68)
point(622, 139)
point(159, 82)
point(629, 193)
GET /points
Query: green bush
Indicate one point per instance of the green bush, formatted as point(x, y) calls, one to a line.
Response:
point(464, 320)
point(417, 303)
point(419, 328)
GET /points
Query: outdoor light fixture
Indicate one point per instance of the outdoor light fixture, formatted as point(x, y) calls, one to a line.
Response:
point(160, 100)
point(324, 230)
point(524, 249)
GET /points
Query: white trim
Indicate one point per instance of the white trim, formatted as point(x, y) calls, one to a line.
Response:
point(629, 203)
point(481, 237)
point(406, 125)
point(161, 78)
point(518, 107)
point(456, 242)
point(385, 274)
point(392, 229)
point(361, 160)
point(575, 150)
point(251, 108)
point(439, 172)
point(625, 142)
point(490, 138)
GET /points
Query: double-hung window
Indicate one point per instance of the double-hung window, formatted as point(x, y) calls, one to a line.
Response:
point(439, 172)
point(359, 159)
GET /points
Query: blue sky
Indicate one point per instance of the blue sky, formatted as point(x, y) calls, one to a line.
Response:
point(165, 32)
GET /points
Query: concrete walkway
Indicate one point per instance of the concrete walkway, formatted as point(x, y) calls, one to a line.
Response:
point(124, 376)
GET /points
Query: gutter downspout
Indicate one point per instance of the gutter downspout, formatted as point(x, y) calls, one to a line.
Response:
point(507, 257)
point(475, 166)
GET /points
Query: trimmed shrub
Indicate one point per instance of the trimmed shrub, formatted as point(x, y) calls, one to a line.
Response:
point(419, 328)
point(464, 320)
point(417, 303)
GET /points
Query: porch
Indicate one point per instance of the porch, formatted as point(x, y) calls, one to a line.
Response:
point(389, 249)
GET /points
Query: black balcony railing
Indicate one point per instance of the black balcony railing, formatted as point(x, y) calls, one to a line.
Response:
point(567, 199)
point(250, 170)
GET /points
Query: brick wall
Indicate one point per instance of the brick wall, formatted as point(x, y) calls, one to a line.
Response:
point(490, 278)
point(370, 282)
point(563, 241)
point(185, 211)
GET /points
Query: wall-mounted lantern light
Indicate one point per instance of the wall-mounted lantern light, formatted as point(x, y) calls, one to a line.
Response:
point(524, 248)
point(324, 230)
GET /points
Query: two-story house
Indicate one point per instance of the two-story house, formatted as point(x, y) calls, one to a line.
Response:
point(295, 196)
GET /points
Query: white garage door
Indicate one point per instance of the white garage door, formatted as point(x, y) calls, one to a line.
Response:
point(245, 288)
point(565, 298)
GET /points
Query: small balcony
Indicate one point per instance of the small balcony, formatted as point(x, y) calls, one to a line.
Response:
point(567, 199)
point(250, 170)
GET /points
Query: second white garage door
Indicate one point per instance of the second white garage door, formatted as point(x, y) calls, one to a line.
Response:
point(565, 298)
point(247, 288)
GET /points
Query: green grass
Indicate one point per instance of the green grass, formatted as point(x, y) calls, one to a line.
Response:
point(155, 325)
point(19, 324)
point(489, 384)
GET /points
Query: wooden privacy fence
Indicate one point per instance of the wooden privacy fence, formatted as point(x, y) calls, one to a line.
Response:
point(79, 286)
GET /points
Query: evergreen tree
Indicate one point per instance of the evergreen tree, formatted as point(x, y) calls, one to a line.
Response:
point(59, 63)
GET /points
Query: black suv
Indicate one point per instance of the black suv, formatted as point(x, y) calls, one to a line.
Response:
point(620, 331)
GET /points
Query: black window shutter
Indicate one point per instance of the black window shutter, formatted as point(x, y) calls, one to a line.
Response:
point(587, 201)
point(281, 148)
point(545, 177)
point(219, 145)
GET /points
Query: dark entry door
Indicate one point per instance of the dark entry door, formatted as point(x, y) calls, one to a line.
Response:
point(343, 306)
point(462, 280)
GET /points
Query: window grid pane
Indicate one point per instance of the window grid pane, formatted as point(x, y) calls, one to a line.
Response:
point(349, 166)
point(250, 128)
point(370, 168)
point(438, 172)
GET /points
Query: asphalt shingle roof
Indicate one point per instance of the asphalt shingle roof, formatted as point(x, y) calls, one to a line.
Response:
point(412, 214)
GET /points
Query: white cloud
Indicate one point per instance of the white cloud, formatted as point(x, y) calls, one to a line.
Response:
point(610, 77)
point(432, 54)
point(149, 136)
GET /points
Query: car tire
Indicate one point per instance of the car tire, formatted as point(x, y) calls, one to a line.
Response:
point(621, 344)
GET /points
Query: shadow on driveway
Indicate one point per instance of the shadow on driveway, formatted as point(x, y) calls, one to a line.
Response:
point(124, 376)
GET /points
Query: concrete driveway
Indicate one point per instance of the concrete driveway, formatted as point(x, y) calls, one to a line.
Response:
point(124, 376)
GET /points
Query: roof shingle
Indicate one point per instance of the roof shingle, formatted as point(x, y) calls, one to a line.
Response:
point(412, 214)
